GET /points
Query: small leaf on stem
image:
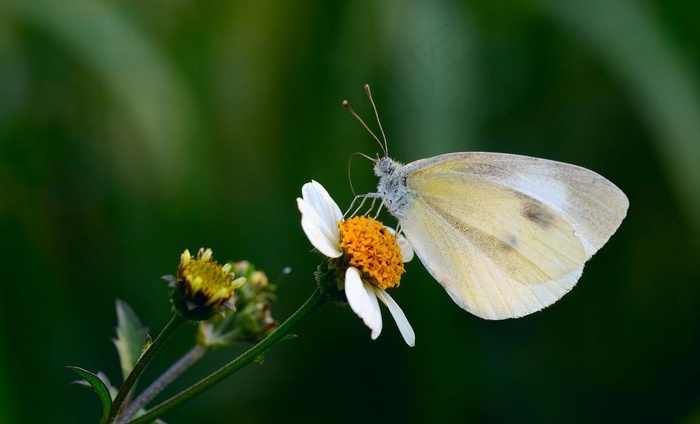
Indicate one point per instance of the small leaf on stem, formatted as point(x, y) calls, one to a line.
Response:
point(99, 387)
point(131, 337)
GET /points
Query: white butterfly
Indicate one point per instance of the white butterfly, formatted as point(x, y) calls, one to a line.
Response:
point(505, 235)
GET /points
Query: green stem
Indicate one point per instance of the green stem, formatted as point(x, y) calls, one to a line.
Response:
point(315, 300)
point(143, 362)
point(179, 367)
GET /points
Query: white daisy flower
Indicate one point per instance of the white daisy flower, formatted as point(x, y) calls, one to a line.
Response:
point(369, 255)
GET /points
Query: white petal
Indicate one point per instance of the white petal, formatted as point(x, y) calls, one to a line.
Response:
point(363, 301)
point(374, 312)
point(401, 321)
point(321, 236)
point(404, 245)
point(317, 196)
point(354, 291)
point(406, 249)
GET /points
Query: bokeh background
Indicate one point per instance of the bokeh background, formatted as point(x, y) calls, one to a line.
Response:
point(131, 130)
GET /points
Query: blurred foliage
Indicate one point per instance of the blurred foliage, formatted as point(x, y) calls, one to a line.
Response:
point(132, 130)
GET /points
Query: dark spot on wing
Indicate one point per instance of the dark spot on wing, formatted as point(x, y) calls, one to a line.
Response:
point(507, 244)
point(535, 212)
point(510, 243)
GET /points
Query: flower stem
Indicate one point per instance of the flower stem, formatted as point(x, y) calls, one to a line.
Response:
point(175, 370)
point(143, 362)
point(316, 299)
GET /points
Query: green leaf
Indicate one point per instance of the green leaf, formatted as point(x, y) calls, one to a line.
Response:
point(131, 337)
point(99, 387)
point(288, 337)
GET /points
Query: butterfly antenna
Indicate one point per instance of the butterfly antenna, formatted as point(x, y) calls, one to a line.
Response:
point(376, 114)
point(347, 106)
point(349, 166)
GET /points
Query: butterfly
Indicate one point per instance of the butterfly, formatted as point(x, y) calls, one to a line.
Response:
point(505, 235)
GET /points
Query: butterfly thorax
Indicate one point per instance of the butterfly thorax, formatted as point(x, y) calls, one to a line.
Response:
point(392, 185)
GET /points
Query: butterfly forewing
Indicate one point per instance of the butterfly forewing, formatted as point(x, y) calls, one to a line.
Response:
point(593, 206)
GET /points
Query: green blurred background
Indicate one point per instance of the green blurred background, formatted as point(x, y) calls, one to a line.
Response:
point(131, 130)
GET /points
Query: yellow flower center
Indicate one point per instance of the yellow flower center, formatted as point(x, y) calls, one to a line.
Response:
point(205, 281)
point(371, 248)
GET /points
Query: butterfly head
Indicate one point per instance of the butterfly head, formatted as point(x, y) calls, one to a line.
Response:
point(384, 166)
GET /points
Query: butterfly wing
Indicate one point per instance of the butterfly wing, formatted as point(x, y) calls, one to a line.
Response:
point(507, 235)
